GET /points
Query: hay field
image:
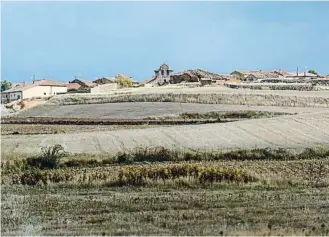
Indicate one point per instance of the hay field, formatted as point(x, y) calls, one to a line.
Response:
point(289, 131)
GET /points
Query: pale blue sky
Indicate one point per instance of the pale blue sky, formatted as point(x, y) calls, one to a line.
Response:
point(61, 40)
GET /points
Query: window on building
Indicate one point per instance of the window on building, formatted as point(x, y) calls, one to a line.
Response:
point(162, 72)
point(18, 97)
point(44, 93)
point(168, 72)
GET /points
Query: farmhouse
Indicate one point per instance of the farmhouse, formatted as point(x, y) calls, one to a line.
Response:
point(135, 83)
point(74, 86)
point(195, 75)
point(83, 82)
point(39, 88)
point(303, 75)
point(104, 80)
point(253, 75)
point(205, 81)
point(15, 84)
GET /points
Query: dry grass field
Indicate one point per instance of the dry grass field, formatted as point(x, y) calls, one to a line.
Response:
point(288, 131)
point(222, 210)
point(224, 197)
point(203, 180)
point(138, 110)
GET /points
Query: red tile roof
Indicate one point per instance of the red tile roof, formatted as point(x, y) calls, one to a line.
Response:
point(48, 82)
point(73, 85)
point(15, 84)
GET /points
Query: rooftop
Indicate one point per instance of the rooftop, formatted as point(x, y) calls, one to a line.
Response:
point(42, 82)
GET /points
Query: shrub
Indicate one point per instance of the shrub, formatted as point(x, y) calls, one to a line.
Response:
point(309, 153)
point(49, 158)
point(201, 173)
point(82, 163)
point(147, 154)
point(125, 82)
point(125, 158)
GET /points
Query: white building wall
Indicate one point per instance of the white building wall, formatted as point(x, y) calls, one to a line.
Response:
point(43, 91)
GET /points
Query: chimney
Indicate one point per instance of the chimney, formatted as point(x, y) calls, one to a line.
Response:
point(297, 71)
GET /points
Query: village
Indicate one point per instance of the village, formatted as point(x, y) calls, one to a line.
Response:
point(164, 76)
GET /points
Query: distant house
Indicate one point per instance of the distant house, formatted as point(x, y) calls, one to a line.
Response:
point(205, 81)
point(186, 76)
point(253, 75)
point(136, 83)
point(83, 82)
point(16, 84)
point(281, 73)
point(303, 75)
point(39, 88)
point(104, 80)
point(195, 75)
point(74, 86)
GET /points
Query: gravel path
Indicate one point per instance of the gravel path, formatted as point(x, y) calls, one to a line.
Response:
point(137, 110)
point(291, 131)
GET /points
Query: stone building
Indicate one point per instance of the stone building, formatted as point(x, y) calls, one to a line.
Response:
point(162, 75)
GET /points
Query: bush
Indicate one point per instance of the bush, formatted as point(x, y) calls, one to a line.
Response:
point(141, 154)
point(49, 158)
point(124, 158)
point(125, 82)
point(82, 163)
point(202, 173)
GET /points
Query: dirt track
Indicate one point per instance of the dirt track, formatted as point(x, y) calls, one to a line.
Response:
point(291, 131)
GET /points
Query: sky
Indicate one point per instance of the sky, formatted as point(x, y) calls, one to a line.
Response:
point(61, 40)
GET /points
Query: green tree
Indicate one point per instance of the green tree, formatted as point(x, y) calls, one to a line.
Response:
point(5, 85)
point(125, 82)
point(313, 72)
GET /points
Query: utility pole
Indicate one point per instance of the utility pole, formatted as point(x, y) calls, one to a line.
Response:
point(297, 71)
